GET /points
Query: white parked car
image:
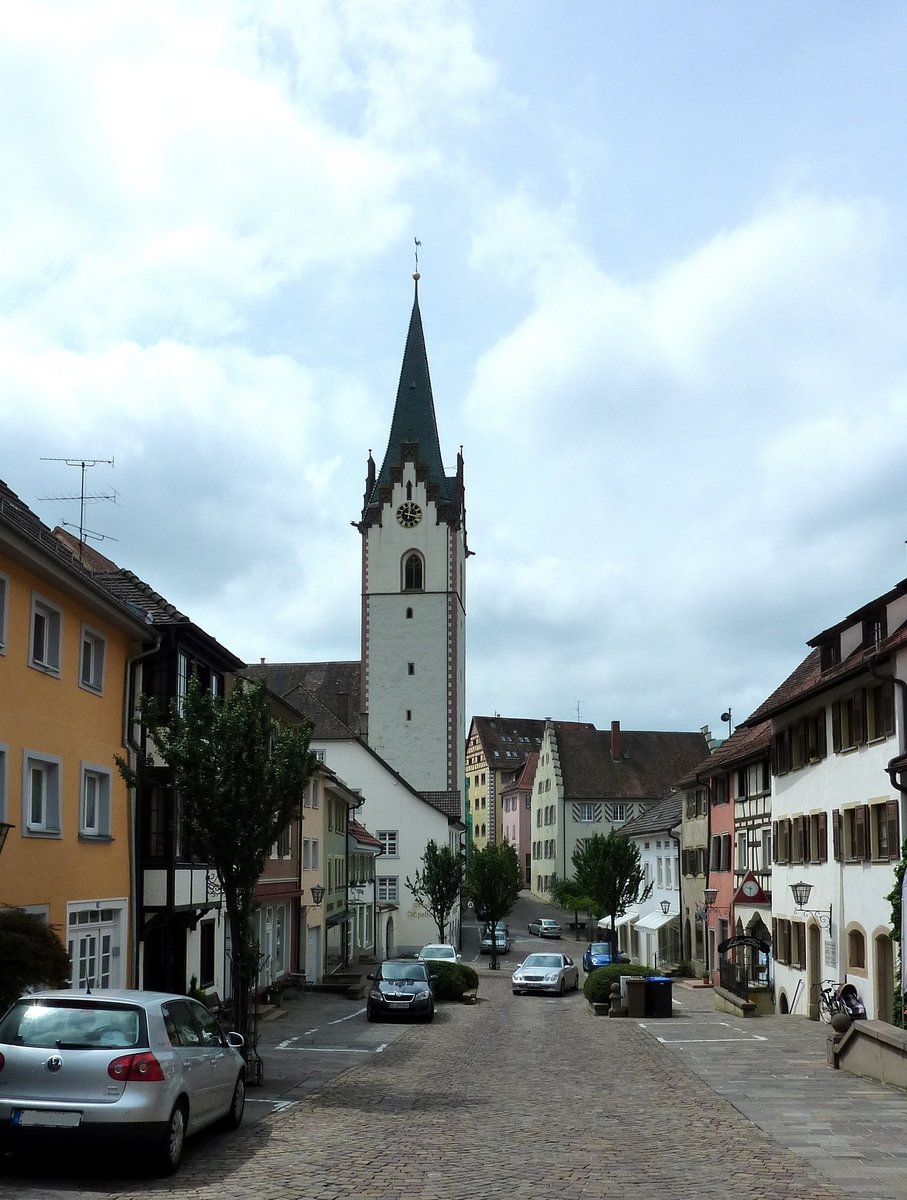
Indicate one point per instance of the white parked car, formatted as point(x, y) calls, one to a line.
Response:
point(144, 1070)
point(545, 927)
point(439, 953)
point(556, 973)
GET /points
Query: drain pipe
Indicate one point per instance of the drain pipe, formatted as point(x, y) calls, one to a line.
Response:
point(898, 764)
point(133, 750)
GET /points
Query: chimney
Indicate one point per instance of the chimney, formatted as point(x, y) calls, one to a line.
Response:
point(617, 753)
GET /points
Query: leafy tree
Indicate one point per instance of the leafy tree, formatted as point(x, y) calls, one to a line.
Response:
point(607, 869)
point(240, 776)
point(31, 955)
point(568, 895)
point(899, 1016)
point(494, 879)
point(436, 888)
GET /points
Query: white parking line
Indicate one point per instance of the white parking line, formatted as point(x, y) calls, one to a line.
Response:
point(325, 1049)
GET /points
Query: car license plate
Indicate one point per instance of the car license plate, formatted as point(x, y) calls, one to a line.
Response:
point(47, 1118)
point(398, 1004)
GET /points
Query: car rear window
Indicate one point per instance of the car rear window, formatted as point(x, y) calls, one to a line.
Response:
point(75, 1025)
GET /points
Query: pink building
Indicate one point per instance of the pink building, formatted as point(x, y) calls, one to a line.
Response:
point(516, 811)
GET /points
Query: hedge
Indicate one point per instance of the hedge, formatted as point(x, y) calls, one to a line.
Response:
point(597, 988)
point(453, 980)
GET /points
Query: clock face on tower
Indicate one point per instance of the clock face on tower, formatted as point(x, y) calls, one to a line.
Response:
point(409, 514)
point(750, 887)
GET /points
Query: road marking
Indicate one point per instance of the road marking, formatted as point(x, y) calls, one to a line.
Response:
point(349, 1017)
point(274, 1105)
point(324, 1049)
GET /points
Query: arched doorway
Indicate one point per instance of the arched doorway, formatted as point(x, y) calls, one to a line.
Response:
point(813, 970)
point(389, 938)
point(883, 958)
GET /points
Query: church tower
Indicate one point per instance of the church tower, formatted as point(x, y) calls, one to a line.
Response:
point(414, 554)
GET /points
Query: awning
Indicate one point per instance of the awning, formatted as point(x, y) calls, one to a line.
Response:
point(626, 919)
point(655, 920)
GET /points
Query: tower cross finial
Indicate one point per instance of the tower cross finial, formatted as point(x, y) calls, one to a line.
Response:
point(416, 275)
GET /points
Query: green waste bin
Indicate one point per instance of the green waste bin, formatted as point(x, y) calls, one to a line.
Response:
point(658, 996)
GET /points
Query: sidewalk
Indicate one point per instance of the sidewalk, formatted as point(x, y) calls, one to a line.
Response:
point(773, 1070)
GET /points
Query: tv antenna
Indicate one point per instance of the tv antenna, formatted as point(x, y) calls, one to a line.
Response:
point(83, 498)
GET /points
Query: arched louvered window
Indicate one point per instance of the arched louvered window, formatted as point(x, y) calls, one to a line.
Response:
point(413, 573)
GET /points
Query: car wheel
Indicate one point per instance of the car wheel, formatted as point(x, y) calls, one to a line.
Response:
point(429, 1016)
point(576, 982)
point(233, 1116)
point(562, 988)
point(517, 992)
point(168, 1153)
point(370, 1013)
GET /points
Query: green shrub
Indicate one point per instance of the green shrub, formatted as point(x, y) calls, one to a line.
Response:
point(597, 988)
point(453, 980)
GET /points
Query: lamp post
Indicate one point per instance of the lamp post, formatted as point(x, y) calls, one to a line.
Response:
point(801, 893)
point(317, 894)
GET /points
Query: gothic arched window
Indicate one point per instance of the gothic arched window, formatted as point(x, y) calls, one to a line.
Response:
point(413, 573)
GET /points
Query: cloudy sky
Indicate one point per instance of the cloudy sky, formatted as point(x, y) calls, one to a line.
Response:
point(663, 264)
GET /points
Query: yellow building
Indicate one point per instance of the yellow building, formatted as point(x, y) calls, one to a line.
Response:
point(65, 645)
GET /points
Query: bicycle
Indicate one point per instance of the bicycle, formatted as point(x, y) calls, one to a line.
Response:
point(829, 1000)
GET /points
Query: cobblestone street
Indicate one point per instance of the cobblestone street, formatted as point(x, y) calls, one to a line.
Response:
point(528, 1097)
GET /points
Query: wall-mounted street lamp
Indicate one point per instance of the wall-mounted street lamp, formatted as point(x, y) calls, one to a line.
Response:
point(801, 892)
point(711, 895)
point(665, 905)
point(317, 894)
point(5, 827)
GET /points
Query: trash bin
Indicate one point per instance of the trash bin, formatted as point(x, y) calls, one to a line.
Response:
point(658, 996)
point(635, 1002)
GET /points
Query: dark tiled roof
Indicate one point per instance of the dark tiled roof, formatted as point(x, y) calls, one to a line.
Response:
point(658, 818)
point(651, 764)
point(524, 776)
point(18, 518)
point(809, 679)
point(507, 742)
point(449, 803)
point(746, 742)
point(326, 692)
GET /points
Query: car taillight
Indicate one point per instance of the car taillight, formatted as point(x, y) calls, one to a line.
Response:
point(136, 1068)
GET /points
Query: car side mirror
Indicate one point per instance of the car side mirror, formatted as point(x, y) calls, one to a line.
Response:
point(236, 1040)
point(370, 977)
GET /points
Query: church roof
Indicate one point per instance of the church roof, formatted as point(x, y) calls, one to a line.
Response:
point(325, 692)
point(414, 429)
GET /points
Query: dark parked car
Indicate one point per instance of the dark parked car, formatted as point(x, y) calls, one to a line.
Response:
point(144, 1070)
point(401, 987)
point(602, 954)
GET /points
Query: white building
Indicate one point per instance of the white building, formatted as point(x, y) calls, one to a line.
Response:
point(838, 802)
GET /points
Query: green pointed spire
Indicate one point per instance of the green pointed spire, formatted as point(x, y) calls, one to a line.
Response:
point(414, 429)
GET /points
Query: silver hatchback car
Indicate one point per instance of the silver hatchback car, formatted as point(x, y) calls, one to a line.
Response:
point(111, 1067)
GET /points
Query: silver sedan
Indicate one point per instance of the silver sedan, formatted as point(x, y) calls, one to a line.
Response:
point(555, 973)
point(139, 1069)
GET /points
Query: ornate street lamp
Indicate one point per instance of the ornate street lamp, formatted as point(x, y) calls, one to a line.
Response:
point(317, 894)
point(665, 905)
point(801, 893)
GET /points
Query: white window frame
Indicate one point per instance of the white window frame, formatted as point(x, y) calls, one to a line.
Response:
point(46, 657)
point(586, 811)
point(95, 785)
point(94, 648)
point(387, 888)
point(390, 842)
point(4, 604)
point(49, 823)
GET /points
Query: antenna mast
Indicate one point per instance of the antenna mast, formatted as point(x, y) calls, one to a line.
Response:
point(84, 464)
